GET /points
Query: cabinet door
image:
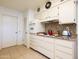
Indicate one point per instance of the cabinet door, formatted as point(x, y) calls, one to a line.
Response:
point(64, 49)
point(55, 2)
point(54, 11)
point(67, 12)
point(62, 1)
point(62, 55)
point(52, 14)
point(43, 15)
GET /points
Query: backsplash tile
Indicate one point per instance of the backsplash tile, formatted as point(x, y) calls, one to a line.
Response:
point(55, 26)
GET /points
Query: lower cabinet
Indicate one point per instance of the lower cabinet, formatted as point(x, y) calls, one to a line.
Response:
point(43, 45)
point(53, 48)
point(64, 49)
point(62, 55)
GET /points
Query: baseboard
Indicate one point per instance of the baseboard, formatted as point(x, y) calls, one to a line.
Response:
point(39, 52)
point(0, 48)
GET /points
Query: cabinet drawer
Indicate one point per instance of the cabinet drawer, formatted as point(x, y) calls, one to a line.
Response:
point(35, 42)
point(64, 49)
point(47, 46)
point(64, 43)
point(33, 46)
point(61, 55)
point(49, 40)
point(43, 44)
point(45, 52)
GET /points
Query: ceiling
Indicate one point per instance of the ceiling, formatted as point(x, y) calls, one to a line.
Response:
point(21, 5)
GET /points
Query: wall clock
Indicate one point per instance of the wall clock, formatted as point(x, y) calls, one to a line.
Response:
point(48, 5)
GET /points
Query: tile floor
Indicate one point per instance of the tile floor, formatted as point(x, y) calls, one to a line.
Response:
point(19, 52)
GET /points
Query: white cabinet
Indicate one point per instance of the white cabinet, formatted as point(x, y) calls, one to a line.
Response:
point(57, 2)
point(53, 48)
point(64, 49)
point(47, 14)
point(44, 15)
point(63, 11)
point(53, 13)
point(43, 45)
point(38, 15)
point(67, 12)
point(50, 14)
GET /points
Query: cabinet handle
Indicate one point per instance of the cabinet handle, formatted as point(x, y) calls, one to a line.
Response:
point(75, 2)
point(61, 0)
point(58, 7)
point(59, 57)
point(58, 13)
point(74, 19)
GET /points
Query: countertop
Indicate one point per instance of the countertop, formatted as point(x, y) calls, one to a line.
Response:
point(60, 37)
point(74, 38)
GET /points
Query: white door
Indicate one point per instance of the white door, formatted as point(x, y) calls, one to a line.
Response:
point(9, 31)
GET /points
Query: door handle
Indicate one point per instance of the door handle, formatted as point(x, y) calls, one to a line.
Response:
point(16, 32)
point(25, 32)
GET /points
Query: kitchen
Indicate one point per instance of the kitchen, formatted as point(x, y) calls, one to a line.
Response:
point(49, 30)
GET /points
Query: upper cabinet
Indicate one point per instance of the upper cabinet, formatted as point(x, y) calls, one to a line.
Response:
point(49, 14)
point(63, 11)
point(67, 12)
point(57, 2)
point(53, 12)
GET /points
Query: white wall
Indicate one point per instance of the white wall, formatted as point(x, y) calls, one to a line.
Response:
point(27, 20)
point(38, 27)
point(18, 14)
point(29, 16)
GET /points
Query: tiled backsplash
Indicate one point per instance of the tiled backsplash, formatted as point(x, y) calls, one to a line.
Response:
point(55, 26)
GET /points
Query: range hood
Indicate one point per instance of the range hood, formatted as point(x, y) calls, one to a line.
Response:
point(50, 21)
